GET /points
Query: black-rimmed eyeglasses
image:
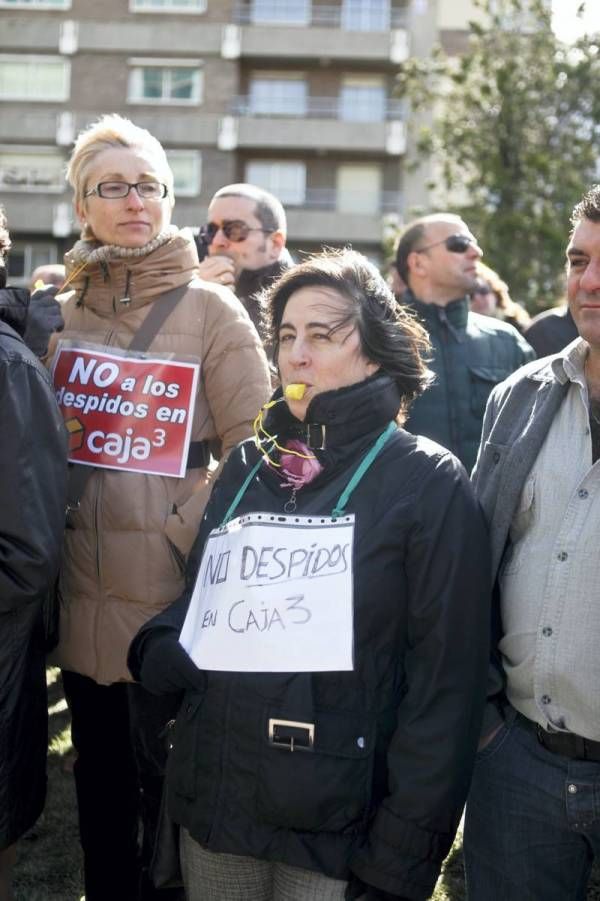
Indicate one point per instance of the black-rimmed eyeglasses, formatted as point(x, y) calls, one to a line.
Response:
point(115, 190)
point(454, 243)
point(234, 230)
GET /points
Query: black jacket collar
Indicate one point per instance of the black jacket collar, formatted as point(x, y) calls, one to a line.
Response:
point(251, 281)
point(339, 422)
point(456, 312)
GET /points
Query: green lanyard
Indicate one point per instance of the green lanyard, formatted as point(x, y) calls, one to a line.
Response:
point(340, 507)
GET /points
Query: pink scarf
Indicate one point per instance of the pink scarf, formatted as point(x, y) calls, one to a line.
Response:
point(299, 471)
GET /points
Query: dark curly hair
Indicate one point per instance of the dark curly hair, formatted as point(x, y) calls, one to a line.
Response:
point(587, 208)
point(390, 334)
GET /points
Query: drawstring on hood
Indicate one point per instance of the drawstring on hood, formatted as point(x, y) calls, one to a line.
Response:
point(126, 283)
point(85, 253)
point(79, 301)
point(126, 298)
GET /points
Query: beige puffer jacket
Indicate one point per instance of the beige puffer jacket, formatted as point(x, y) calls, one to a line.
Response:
point(124, 558)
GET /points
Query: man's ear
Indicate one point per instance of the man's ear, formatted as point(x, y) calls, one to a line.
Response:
point(417, 264)
point(277, 240)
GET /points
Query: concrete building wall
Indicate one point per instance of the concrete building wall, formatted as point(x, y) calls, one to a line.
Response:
point(102, 42)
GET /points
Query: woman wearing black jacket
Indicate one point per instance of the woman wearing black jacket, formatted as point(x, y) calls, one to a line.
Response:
point(343, 781)
point(33, 473)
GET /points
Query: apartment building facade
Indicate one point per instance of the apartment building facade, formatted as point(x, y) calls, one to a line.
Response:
point(294, 95)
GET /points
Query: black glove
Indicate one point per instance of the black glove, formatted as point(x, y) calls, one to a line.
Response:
point(357, 889)
point(43, 317)
point(166, 667)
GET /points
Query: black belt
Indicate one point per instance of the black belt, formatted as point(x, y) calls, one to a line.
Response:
point(567, 743)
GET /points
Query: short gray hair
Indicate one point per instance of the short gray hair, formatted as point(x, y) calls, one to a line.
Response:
point(269, 210)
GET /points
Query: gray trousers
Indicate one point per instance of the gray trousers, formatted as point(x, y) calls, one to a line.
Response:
point(209, 876)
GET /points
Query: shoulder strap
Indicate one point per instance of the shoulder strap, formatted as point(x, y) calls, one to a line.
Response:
point(365, 463)
point(159, 312)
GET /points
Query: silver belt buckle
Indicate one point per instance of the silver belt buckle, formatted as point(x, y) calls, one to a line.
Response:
point(282, 734)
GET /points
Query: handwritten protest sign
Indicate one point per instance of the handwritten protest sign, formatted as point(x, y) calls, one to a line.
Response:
point(274, 594)
point(123, 412)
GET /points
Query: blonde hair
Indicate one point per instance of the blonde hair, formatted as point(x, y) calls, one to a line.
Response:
point(108, 132)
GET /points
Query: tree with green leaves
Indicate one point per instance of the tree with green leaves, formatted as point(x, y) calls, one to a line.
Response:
point(516, 136)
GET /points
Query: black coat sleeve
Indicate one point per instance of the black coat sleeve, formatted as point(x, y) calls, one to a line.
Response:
point(33, 471)
point(432, 751)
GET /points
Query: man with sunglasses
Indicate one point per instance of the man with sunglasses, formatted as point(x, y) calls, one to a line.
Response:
point(243, 243)
point(437, 258)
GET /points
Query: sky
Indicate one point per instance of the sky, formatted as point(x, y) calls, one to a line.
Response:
point(567, 25)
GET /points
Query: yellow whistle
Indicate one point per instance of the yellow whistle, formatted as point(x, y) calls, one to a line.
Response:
point(38, 284)
point(295, 391)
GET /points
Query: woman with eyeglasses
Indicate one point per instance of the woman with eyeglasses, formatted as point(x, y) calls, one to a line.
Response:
point(133, 282)
point(335, 623)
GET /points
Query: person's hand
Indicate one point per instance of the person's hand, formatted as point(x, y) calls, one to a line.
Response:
point(44, 316)
point(218, 269)
point(167, 667)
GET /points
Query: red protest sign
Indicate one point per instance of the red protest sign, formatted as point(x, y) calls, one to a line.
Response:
point(123, 412)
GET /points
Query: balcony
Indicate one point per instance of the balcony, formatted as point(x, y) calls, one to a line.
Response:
point(318, 218)
point(324, 123)
point(371, 17)
point(329, 199)
point(318, 108)
point(287, 28)
point(38, 213)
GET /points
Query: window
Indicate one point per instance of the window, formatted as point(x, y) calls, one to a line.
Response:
point(40, 78)
point(359, 189)
point(366, 15)
point(165, 81)
point(31, 169)
point(186, 166)
point(286, 180)
point(362, 100)
point(35, 4)
point(167, 6)
point(24, 258)
point(272, 95)
point(280, 12)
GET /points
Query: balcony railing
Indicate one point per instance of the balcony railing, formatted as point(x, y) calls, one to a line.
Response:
point(318, 108)
point(327, 199)
point(369, 17)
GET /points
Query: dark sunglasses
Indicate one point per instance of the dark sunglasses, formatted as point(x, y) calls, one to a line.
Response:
point(453, 243)
point(234, 230)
